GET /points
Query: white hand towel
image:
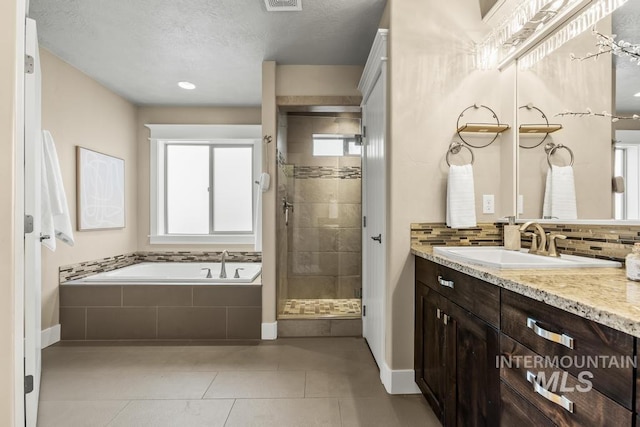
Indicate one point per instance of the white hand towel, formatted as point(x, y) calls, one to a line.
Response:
point(560, 194)
point(461, 201)
point(57, 210)
point(546, 204)
point(257, 227)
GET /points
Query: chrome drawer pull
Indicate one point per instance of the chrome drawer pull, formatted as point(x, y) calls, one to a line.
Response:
point(552, 397)
point(563, 339)
point(445, 283)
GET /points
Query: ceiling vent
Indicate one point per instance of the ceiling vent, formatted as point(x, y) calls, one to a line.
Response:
point(283, 5)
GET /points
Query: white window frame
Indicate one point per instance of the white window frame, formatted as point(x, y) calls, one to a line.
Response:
point(224, 135)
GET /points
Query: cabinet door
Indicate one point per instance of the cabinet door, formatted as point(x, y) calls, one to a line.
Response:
point(431, 347)
point(477, 375)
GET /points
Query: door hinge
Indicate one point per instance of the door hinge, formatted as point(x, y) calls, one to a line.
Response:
point(28, 384)
point(28, 224)
point(364, 310)
point(364, 221)
point(28, 64)
point(358, 139)
point(364, 131)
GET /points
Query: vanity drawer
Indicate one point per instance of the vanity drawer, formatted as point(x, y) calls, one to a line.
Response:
point(560, 396)
point(517, 411)
point(479, 297)
point(538, 326)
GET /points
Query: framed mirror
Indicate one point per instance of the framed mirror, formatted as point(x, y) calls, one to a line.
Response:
point(571, 142)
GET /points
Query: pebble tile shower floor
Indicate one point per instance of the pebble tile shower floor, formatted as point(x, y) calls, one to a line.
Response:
point(287, 382)
point(312, 308)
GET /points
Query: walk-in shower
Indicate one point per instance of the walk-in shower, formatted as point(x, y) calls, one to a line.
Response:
point(319, 219)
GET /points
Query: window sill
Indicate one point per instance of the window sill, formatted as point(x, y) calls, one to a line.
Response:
point(227, 239)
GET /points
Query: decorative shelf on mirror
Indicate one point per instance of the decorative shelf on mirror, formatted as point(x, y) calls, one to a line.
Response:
point(537, 129)
point(529, 129)
point(493, 129)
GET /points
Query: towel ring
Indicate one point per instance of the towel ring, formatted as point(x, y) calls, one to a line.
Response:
point(455, 148)
point(551, 148)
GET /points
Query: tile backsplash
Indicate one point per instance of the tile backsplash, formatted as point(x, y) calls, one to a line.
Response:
point(438, 234)
point(88, 268)
point(612, 242)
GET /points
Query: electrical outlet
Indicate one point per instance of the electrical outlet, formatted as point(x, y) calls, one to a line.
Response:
point(488, 204)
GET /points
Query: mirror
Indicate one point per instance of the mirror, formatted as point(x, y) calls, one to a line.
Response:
point(564, 101)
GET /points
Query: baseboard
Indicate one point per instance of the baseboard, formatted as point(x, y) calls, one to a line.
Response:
point(399, 381)
point(50, 336)
point(270, 331)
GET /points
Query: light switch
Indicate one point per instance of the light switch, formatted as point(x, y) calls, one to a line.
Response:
point(488, 204)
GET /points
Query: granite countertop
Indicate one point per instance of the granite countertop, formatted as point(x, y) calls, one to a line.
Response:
point(603, 295)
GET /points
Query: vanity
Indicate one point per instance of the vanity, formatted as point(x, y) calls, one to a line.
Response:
point(539, 347)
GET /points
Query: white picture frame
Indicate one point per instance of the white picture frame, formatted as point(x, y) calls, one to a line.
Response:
point(100, 190)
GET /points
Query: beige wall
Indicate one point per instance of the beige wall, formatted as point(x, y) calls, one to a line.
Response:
point(385, 20)
point(79, 111)
point(179, 115)
point(269, 202)
point(554, 85)
point(9, 133)
point(321, 80)
point(432, 79)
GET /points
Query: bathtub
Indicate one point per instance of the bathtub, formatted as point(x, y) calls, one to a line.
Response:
point(176, 273)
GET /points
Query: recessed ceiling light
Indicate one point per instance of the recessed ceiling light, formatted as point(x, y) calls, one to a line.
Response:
point(187, 85)
point(637, 94)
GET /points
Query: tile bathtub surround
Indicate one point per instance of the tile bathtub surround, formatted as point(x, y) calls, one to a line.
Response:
point(160, 312)
point(327, 172)
point(88, 268)
point(438, 234)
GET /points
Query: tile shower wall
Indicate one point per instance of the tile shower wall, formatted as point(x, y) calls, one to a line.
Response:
point(324, 235)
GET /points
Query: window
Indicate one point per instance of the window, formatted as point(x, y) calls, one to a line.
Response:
point(202, 184)
point(336, 145)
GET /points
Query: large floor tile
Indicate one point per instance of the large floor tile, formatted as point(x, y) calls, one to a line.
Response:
point(360, 383)
point(174, 413)
point(387, 411)
point(242, 385)
point(78, 414)
point(284, 413)
point(124, 385)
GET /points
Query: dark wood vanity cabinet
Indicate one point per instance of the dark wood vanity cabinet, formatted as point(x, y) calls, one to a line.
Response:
point(455, 350)
point(466, 331)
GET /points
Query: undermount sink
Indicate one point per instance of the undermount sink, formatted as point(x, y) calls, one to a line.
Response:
point(499, 257)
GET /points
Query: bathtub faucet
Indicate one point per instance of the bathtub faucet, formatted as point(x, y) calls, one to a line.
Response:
point(223, 270)
point(209, 276)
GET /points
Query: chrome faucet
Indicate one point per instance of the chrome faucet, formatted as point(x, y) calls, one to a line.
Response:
point(536, 248)
point(209, 276)
point(223, 270)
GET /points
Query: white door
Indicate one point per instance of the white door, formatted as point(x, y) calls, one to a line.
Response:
point(32, 273)
point(374, 210)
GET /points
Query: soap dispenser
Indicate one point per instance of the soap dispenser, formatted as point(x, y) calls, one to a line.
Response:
point(511, 234)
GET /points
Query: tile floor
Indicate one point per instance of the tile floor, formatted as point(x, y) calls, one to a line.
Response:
point(288, 382)
point(305, 308)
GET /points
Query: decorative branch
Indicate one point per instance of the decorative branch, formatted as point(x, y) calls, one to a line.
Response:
point(608, 44)
point(613, 117)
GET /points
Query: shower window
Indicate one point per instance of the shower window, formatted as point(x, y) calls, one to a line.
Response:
point(203, 191)
point(336, 145)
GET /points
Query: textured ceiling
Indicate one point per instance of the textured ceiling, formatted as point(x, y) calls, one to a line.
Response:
point(141, 48)
point(626, 24)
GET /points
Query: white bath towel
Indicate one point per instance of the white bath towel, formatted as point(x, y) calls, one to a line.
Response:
point(461, 201)
point(56, 221)
point(257, 227)
point(560, 194)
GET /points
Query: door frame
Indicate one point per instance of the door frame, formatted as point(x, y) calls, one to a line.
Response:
point(18, 218)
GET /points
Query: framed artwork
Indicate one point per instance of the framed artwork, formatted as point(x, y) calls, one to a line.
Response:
point(100, 192)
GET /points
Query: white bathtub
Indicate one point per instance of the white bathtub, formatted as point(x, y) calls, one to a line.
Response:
point(176, 273)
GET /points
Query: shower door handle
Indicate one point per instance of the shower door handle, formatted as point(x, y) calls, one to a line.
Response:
point(377, 238)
